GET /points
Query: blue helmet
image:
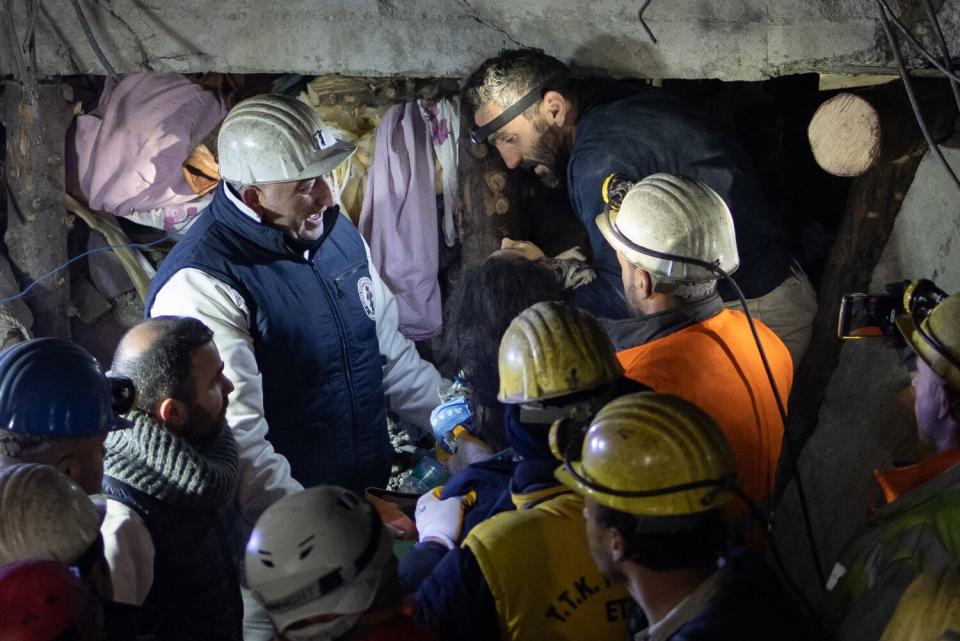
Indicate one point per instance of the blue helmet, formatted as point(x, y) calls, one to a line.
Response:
point(53, 388)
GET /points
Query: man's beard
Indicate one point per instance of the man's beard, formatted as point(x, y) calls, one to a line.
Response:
point(549, 156)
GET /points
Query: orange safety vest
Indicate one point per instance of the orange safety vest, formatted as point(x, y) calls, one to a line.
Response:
point(715, 365)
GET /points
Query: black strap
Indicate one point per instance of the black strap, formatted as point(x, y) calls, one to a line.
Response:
point(479, 135)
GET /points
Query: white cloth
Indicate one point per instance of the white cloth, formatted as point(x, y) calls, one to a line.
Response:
point(411, 384)
point(444, 121)
point(129, 552)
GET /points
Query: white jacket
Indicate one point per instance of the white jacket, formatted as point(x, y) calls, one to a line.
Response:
point(411, 384)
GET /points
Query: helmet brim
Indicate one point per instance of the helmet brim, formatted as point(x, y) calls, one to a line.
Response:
point(908, 327)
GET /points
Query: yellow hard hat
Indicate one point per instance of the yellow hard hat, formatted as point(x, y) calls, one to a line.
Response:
point(929, 610)
point(552, 349)
point(937, 339)
point(653, 455)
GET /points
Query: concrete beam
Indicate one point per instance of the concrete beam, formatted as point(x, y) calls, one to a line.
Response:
point(735, 40)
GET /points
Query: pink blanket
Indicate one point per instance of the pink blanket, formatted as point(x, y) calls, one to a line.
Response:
point(127, 154)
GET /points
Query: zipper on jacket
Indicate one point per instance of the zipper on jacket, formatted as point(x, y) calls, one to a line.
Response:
point(345, 355)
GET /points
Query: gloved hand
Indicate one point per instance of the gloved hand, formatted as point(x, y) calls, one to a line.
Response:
point(441, 521)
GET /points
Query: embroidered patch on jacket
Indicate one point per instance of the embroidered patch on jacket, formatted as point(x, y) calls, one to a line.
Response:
point(365, 291)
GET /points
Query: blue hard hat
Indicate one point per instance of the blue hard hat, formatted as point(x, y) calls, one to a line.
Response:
point(53, 388)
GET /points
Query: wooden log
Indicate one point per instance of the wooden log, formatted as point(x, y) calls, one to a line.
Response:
point(36, 233)
point(845, 135)
point(489, 197)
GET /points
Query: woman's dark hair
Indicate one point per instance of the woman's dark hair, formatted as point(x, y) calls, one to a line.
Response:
point(479, 310)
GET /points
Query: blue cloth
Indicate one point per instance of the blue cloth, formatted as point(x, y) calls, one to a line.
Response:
point(314, 336)
point(196, 589)
point(491, 480)
point(637, 130)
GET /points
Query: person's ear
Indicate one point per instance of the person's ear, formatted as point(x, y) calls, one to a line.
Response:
point(617, 545)
point(172, 413)
point(251, 196)
point(644, 282)
point(554, 108)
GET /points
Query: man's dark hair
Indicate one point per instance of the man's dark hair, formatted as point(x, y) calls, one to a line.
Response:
point(165, 368)
point(480, 308)
point(511, 75)
point(679, 549)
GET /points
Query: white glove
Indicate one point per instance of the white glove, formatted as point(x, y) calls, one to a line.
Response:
point(441, 521)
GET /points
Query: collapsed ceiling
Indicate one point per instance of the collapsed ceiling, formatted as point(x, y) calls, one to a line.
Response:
point(731, 40)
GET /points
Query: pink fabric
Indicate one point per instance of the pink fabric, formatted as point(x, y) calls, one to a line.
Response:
point(399, 219)
point(128, 158)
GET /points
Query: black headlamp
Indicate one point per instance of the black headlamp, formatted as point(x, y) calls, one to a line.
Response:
point(479, 134)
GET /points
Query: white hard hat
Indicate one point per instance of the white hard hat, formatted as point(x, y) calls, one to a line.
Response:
point(317, 553)
point(273, 138)
point(670, 214)
point(45, 515)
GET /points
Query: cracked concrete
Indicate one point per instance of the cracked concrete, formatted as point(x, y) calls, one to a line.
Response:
point(733, 40)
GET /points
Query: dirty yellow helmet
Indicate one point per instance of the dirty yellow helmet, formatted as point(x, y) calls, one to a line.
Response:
point(929, 610)
point(552, 350)
point(653, 455)
point(937, 338)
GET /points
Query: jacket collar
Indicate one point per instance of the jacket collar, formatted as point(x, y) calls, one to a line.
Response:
point(639, 330)
point(229, 211)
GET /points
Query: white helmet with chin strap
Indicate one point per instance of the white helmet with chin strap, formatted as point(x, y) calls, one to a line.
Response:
point(315, 560)
point(273, 138)
point(674, 217)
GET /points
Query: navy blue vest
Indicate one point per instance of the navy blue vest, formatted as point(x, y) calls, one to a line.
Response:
point(314, 336)
point(195, 594)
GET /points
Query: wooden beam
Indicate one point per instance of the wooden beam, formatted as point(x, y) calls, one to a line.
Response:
point(36, 234)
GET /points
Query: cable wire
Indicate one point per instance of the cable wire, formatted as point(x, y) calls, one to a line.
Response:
point(788, 581)
point(944, 49)
point(66, 264)
point(908, 86)
point(916, 43)
point(93, 41)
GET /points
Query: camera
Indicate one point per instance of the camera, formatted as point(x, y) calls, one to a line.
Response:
point(874, 315)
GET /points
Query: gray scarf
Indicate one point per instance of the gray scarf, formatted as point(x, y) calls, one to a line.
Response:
point(167, 467)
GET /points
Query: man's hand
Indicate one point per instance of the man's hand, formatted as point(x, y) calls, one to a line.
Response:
point(521, 248)
point(441, 521)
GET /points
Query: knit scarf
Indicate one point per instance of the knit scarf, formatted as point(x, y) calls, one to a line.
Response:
point(167, 467)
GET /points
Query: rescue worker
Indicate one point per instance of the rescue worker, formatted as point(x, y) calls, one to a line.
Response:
point(680, 339)
point(171, 486)
point(307, 330)
point(321, 563)
point(44, 515)
point(57, 407)
point(578, 132)
point(526, 574)
point(916, 530)
point(655, 473)
point(44, 601)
